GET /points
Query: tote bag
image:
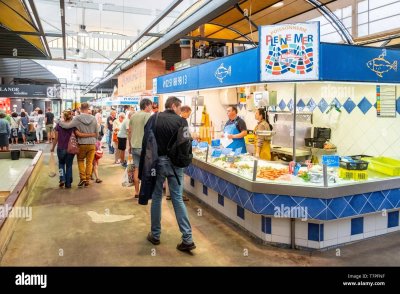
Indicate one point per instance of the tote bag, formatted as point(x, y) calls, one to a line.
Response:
point(73, 147)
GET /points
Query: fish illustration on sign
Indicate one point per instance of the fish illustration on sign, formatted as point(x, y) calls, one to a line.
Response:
point(222, 72)
point(380, 65)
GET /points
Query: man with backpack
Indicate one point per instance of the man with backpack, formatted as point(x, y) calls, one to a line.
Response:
point(174, 153)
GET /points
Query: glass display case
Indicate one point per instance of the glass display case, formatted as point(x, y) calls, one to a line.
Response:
point(248, 169)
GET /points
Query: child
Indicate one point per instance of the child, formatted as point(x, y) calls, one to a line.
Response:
point(97, 156)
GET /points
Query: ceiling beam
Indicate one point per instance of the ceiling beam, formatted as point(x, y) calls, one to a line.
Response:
point(62, 11)
point(56, 35)
point(163, 14)
point(219, 40)
point(113, 8)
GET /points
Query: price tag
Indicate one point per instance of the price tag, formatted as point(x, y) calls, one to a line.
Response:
point(226, 151)
point(216, 153)
point(331, 160)
point(203, 145)
point(195, 143)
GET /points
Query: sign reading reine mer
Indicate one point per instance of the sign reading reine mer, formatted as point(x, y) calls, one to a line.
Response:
point(289, 52)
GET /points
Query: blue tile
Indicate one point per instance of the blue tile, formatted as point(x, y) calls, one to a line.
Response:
point(348, 211)
point(311, 105)
point(314, 206)
point(192, 182)
point(243, 196)
point(205, 190)
point(260, 201)
point(290, 105)
point(393, 197)
point(357, 225)
point(268, 210)
point(240, 212)
point(398, 105)
point(285, 201)
point(300, 105)
point(266, 225)
point(282, 105)
point(393, 219)
point(222, 184)
point(231, 190)
point(330, 215)
point(375, 105)
point(315, 232)
point(376, 199)
point(221, 200)
point(364, 105)
point(323, 105)
point(386, 204)
point(367, 208)
point(358, 202)
point(337, 103)
point(349, 105)
point(337, 205)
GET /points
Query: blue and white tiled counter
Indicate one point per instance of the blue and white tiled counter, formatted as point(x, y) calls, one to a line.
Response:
point(322, 217)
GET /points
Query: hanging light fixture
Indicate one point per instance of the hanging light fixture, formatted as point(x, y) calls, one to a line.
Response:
point(82, 31)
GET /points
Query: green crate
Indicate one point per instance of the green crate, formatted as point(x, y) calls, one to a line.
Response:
point(384, 165)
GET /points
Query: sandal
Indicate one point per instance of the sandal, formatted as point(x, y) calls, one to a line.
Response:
point(98, 181)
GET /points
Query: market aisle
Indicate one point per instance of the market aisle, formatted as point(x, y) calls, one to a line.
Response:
point(63, 233)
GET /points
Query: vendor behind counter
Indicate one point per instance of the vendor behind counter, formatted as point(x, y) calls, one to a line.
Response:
point(236, 129)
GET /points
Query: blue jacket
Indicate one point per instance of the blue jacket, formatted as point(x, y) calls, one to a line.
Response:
point(148, 161)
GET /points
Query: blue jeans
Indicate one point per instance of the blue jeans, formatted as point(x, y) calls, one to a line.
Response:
point(164, 170)
point(65, 161)
point(109, 142)
point(136, 156)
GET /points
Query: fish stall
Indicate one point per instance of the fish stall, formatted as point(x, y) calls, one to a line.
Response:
point(334, 176)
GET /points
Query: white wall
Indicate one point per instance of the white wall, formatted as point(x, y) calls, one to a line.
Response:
point(356, 132)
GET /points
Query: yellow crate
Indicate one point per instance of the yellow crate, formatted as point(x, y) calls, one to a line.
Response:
point(384, 165)
point(357, 175)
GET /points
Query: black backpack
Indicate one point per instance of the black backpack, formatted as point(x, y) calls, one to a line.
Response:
point(180, 150)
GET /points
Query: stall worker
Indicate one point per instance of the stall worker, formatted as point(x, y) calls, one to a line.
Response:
point(236, 129)
point(262, 142)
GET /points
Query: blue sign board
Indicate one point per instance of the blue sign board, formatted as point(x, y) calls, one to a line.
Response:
point(331, 160)
point(216, 153)
point(236, 69)
point(359, 64)
point(183, 80)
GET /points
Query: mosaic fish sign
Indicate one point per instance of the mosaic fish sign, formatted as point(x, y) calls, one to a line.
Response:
point(289, 52)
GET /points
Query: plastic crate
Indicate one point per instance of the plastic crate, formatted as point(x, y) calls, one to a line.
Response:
point(354, 165)
point(356, 175)
point(384, 165)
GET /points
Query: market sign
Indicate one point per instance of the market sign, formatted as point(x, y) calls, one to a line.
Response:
point(289, 52)
point(30, 91)
point(127, 101)
point(183, 80)
point(331, 160)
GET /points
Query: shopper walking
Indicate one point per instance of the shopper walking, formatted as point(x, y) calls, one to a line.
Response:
point(85, 123)
point(166, 127)
point(5, 132)
point(116, 127)
point(49, 122)
point(136, 132)
point(122, 139)
point(15, 122)
point(39, 126)
point(110, 121)
point(24, 126)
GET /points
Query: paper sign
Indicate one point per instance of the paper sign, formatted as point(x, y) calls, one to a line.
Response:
point(216, 153)
point(331, 160)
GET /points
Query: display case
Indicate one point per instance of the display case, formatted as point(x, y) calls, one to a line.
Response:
point(283, 177)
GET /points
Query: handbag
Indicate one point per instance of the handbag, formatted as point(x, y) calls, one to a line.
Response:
point(73, 146)
point(98, 154)
point(115, 137)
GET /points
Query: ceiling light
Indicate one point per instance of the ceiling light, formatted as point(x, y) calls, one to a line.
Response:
point(82, 31)
point(279, 4)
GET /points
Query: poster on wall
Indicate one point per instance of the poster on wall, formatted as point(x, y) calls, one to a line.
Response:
point(5, 105)
point(289, 52)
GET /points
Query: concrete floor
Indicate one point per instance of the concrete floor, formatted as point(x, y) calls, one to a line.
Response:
point(62, 233)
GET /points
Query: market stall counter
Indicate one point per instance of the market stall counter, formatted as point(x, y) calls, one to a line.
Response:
point(295, 210)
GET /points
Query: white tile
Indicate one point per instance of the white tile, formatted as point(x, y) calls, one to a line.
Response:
point(381, 221)
point(343, 239)
point(301, 242)
point(248, 220)
point(267, 237)
point(344, 227)
point(394, 229)
point(330, 230)
point(280, 239)
point(314, 244)
point(370, 234)
point(357, 237)
point(381, 232)
point(331, 242)
point(257, 222)
point(369, 223)
point(281, 227)
point(301, 229)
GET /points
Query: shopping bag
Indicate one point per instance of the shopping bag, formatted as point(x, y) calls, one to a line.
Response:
point(52, 165)
point(125, 179)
